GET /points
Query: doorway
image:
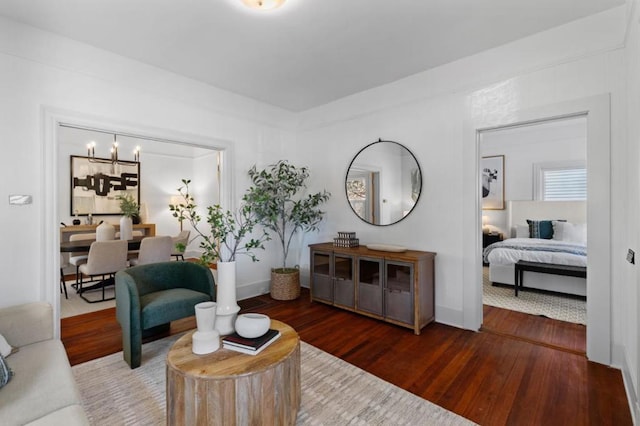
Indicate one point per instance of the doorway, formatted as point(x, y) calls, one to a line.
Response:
point(165, 146)
point(542, 172)
point(597, 111)
point(163, 164)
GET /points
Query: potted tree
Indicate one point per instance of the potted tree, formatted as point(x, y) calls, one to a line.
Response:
point(130, 210)
point(277, 200)
point(226, 236)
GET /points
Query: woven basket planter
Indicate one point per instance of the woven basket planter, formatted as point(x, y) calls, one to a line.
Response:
point(285, 286)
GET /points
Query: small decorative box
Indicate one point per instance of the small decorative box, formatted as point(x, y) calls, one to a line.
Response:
point(346, 242)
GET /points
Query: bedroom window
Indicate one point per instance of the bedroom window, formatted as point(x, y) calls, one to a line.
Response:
point(560, 182)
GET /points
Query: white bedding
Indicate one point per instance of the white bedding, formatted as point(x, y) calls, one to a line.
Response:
point(506, 256)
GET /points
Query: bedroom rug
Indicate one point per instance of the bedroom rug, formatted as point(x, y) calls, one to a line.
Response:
point(334, 392)
point(549, 305)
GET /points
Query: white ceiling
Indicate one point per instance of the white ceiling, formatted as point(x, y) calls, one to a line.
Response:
point(308, 52)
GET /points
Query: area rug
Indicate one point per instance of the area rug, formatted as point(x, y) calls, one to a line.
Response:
point(334, 392)
point(75, 305)
point(553, 306)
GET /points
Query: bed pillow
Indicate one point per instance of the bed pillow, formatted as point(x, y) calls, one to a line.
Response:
point(559, 229)
point(540, 229)
point(521, 231)
point(578, 234)
point(570, 232)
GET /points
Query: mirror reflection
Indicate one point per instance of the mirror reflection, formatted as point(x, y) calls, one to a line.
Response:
point(383, 183)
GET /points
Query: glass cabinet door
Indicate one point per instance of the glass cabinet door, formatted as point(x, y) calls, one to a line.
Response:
point(343, 290)
point(370, 285)
point(398, 292)
point(321, 276)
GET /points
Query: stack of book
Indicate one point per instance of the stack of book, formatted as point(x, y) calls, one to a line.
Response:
point(254, 346)
point(346, 239)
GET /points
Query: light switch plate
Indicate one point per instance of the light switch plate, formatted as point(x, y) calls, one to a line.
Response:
point(20, 200)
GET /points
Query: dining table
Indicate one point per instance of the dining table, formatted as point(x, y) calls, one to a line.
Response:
point(85, 245)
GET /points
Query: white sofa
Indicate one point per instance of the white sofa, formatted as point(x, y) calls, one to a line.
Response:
point(42, 390)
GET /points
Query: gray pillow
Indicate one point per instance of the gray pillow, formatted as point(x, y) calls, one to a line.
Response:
point(5, 372)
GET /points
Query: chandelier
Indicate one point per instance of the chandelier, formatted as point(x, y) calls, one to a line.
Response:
point(91, 154)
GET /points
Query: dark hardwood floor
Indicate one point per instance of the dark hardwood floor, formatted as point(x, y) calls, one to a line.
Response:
point(540, 330)
point(518, 370)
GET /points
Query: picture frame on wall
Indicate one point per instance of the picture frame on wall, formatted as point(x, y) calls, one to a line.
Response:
point(492, 176)
point(96, 184)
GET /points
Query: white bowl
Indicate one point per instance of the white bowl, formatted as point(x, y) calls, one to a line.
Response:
point(252, 325)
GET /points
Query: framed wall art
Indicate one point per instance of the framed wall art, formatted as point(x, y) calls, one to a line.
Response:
point(97, 182)
point(492, 173)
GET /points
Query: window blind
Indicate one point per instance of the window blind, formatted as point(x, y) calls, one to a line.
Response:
point(564, 184)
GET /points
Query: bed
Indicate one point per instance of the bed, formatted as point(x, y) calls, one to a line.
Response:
point(565, 246)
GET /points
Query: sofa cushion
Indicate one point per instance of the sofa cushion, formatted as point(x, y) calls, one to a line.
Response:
point(43, 383)
point(161, 307)
point(73, 415)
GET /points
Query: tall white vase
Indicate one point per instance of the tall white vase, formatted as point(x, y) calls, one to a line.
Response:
point(226, 298)
point(126, 228)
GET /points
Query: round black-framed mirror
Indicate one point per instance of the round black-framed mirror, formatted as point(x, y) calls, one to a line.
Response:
point(383, 183)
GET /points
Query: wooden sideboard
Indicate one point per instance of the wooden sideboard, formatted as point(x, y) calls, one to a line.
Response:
point(149, 230)
point(397, 287)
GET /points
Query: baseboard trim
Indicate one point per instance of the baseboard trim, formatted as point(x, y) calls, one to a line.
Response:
point(247, 291)
point(448, 316)
point(632, 396)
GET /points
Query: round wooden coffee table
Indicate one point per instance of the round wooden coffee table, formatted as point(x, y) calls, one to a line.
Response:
point(228, 387)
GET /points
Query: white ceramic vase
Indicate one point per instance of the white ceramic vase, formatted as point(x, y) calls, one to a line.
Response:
point(206, 339)
point(205, 316)
point(126, 228)
point(226, 298)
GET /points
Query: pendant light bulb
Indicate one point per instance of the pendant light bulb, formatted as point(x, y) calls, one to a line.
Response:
point(263, 4)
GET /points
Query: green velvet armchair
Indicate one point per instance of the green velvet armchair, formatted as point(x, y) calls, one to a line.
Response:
point(149, 297)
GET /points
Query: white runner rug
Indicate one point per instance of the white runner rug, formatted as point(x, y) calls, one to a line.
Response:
point(334, 392)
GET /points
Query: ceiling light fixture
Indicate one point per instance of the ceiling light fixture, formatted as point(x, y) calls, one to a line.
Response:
point(91, 153)
point(263, 4)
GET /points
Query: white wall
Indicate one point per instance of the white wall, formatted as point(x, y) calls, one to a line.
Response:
point(42, 72)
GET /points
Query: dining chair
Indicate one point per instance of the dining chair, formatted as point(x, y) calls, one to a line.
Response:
point(63, 285)
point(105, 259)
point(132, 253)
point(79, 258)
point(181, 238)
point(154, 250)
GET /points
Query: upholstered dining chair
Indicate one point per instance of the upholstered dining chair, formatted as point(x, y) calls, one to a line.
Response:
point(153, 250)
point(79, 258)
point(132, 253)
point(105, 259)
point(181, 238)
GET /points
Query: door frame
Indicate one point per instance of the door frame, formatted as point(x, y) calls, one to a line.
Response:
point(51, 119)
point(597, 110)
